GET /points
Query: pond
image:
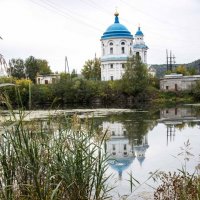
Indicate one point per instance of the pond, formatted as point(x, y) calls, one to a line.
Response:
point(142, 141)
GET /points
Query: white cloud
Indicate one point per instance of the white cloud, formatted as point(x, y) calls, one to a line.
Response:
point(54, 29)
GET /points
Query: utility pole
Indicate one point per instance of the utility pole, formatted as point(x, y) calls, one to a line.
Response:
point(66, 65)
point(167, 60)
point(170, 60)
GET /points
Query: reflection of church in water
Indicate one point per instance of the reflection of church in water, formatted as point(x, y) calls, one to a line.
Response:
point(122, 152)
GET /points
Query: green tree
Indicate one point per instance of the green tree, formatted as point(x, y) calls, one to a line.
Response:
point(43, 67)
point(92, 69)
point(181, 69)
point(36, 66)
point(196, 90)
point(32, 68)
point(135, 77)
point(74, 74)
point(16, 68)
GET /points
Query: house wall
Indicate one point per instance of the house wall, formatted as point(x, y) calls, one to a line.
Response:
point(178, 82)
point(47, 79)
point(112, 62)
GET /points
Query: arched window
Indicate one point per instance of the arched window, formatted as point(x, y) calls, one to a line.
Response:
point(122, 43)
point(111, 50)
point(123, 50)
point(111, 44)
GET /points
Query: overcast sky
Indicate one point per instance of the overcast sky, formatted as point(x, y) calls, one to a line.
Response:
point(53, 29)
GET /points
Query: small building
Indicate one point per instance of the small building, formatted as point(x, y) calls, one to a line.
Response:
point(47, 79)
point(178, 82)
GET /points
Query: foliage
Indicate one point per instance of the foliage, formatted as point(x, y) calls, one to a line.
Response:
point(135, 78)
point(74, 74)
point(176, 186)
point(16, 68)
point(43, 66)
point(179, 185)
point(196, 90)
point(183, 69)
point(7, 79)
point(31, 68)
point(91, 69)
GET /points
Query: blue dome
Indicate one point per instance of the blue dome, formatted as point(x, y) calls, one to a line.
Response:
point(117, 30)
point(139, 32)
point(121, 164)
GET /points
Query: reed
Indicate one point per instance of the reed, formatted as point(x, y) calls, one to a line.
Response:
point(61, 160)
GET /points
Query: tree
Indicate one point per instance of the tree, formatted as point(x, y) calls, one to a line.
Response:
point(74, 74)
point(92, 69)
point(181, 69)
point(32, 68)
point(43, 66)
point(135, 77)
point(196, 90)
point(16, 68)
point(36, 66)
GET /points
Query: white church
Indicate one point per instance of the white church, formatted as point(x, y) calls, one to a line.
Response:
point(117, 44)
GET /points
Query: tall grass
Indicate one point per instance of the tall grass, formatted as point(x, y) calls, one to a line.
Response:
point(39, 163)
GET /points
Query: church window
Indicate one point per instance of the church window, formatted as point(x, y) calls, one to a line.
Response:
point(111, 44)
point(124, 132)
point(137, 53)
point(123, 65)
point(167, 87)
point(113, 147)
point(111, 78)
point(113, 132)
point(111, 66)
point(122, 43)
point(124, 146)
point(111, 50)
point(46, 82)
point(123, 50)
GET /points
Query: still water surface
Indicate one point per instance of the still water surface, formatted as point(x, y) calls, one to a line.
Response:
point(144, 141)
